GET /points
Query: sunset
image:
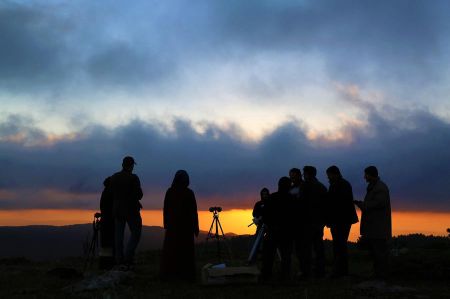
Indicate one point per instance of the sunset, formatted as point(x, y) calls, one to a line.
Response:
point(236, 93)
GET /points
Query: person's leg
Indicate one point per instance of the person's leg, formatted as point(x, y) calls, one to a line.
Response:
point(340, 236)
point(319, 251)
point(305, 251)
point(380, 255)
point(135, 225)
point(119, 229)
point(285, 245)
point(269, 251)
point(344, 242)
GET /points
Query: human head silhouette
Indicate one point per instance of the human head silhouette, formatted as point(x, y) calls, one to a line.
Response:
point(371, 174)
point(295, 176)
point(309, 172)
point(284, 184)
point(128, 163)
point(333, 173)
point(181, 179)
point(264, 194)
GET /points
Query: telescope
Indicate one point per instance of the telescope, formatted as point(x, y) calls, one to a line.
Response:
point(215, 209)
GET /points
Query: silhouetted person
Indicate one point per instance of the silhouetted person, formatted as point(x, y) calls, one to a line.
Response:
point(314, 194)
point(277, 216)
point(127, 192)
point(341, 216)
point(301, 227)
point(295, 175)
point(106, 253)
point(259, 206)
point(376, 226)
point(257, 214)
point(181, 225)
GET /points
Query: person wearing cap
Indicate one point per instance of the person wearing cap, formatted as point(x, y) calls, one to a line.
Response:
point(376, 224)
point(127, 192)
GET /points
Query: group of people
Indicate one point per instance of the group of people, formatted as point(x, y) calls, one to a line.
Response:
point(294, 218)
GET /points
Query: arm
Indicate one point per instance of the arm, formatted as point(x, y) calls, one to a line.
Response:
point(195, 215)
point(137, 187)
point(165, 211)
point(379, 200)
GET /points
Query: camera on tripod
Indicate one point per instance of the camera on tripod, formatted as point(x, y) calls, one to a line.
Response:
point(215, 209)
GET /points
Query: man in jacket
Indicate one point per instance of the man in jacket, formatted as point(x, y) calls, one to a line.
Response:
point(277, 216)
point(341, 216)
point(314, 195)
point(127, 192)
point(376, 225)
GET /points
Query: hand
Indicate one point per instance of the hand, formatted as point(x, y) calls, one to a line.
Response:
point(358, 203)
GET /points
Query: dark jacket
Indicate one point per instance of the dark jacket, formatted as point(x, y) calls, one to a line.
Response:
point(106, 200)
point(278, 213)
point(341, 209)
point(314, 195)
point(107, 219)
point(258, 209)
point(127, 192)
point(376, 212)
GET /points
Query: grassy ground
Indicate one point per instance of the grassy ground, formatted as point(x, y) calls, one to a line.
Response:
point(418, 272)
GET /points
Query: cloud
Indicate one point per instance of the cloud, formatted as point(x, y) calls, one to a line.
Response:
point(81, 44)
point(223, 166)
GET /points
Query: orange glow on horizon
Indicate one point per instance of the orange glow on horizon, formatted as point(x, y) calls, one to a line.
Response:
point(233, 221)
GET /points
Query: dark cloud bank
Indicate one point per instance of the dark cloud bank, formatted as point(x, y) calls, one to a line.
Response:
point(413, 160)
point(122, 45)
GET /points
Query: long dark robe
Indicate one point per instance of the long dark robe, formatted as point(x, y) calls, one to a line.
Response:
point(181, 224)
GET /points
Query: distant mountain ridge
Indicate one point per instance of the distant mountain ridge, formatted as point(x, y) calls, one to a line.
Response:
point(43, 242)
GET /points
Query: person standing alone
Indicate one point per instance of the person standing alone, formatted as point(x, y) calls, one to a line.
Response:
point(181, 225)
point(127, 192)
point(376, 223)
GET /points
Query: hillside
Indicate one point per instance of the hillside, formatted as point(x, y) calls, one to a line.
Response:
point(420, 269)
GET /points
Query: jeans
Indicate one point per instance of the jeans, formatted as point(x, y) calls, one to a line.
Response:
point(134, 222)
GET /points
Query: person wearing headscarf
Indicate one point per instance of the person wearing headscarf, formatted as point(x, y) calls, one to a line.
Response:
point(181, 225)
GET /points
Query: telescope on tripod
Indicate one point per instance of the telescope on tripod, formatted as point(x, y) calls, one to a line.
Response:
point(93, 245)
point(216, 232)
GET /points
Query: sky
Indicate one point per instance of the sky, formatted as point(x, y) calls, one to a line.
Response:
point(235, 92)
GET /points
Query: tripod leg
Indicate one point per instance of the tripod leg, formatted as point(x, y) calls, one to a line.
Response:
point(218, 238)
point(225, 240)
point(91, 251)
point(208, 236)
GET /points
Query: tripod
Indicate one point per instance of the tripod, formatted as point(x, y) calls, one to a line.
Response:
point(214, 232)
point(93, 246)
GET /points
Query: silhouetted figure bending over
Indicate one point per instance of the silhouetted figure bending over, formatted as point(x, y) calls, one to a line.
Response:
point(127, 192)
point(376, 225)
point(181, 225)
point(107, 226)
point(342, 215)
point(314, 195)
point(277, 216)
